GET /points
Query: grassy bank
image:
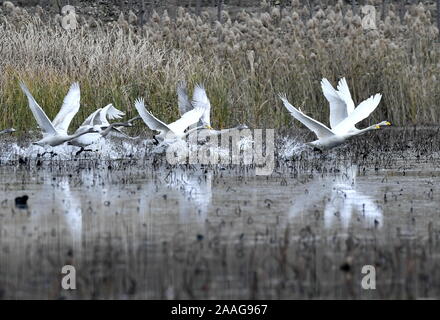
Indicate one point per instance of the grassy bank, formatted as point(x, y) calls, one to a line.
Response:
point(243, 64)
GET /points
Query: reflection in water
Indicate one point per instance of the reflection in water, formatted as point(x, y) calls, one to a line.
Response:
point(349, 202)
point(201, 233)
point(53, 207)
point(341, 198)
point(72, 211)
point(195, 193)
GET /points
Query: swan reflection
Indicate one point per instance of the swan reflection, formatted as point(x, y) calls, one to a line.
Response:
point(195, 193)
point(72, 213)
point(340, 199)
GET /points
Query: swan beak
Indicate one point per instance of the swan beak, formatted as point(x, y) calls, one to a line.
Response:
point(387, 123)
point(209, 127)
point(377, 126)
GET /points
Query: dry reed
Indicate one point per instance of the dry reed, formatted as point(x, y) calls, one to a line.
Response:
point(243, 62)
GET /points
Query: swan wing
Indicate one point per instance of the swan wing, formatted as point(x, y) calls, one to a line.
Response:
point(363, 110)
point(344, 94)
point(151, 121)
point(200, 100)
point(318, 128)
point(111, 113)
point(43, 121)
point(69, 108)
point(99, 119)
point(89, 120)
point(338, 107)
point(182, 98)
point(189, 118)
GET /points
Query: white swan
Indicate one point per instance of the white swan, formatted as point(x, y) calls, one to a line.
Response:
point(200, 99)
point(343, 116)
point(99, 121)
point(55, 132)
point(10, 130)
point(182, 98)
point(172, 131)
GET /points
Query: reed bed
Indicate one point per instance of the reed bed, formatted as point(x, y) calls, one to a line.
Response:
point(243, 62)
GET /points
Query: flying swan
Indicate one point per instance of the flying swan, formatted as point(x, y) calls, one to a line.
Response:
point(343, 116)
point(55, 132)
point(200, 99)
point(174, 130)
point(98, 120)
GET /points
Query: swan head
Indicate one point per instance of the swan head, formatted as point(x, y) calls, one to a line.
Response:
point(93, 130)
point(125, 124)
point(382, 124)
point(10, 130)
point(315, 145)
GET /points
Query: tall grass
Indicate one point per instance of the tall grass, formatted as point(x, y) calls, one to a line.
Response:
point(243, 63)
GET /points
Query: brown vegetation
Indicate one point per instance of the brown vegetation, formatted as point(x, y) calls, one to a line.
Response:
point(244, 62)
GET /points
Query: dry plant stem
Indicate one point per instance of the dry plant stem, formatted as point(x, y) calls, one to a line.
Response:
point(243, 63)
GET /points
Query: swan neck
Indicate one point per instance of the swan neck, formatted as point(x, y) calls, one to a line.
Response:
point(362, 131)
point(116, 124)
point(77, 135)
point(194, 129)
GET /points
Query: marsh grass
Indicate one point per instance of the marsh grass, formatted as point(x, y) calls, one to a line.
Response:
point(243, 63)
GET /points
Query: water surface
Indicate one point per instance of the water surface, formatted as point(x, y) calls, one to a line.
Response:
point(134, 228)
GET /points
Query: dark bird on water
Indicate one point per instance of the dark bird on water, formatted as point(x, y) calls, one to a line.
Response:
point(21, 202)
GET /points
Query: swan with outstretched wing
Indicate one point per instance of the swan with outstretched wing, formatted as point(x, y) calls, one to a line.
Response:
point(343, 116)
point(99, 120)
point(55, 132)
point(200, 99)
point(174, 130)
